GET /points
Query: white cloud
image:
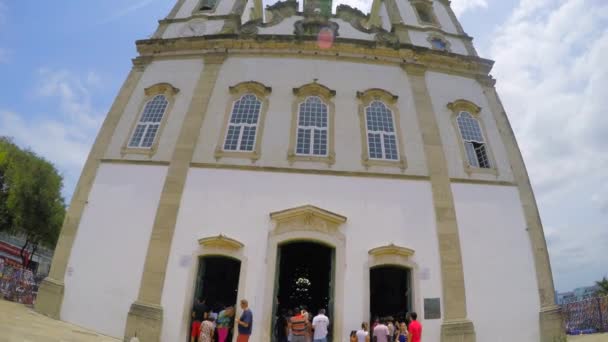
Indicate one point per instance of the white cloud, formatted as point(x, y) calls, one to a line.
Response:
point(550, 65)
point(65, 131)
point(461, 6)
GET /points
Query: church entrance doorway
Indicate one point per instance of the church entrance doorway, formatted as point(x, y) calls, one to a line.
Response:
point(304, 277)
point(217, 282)
point(390, 292)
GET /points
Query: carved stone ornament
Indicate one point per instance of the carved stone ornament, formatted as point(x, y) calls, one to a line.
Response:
point(387, 38)
point(391, 249)
point(311, 26)
point(307, 218)
point(250, 28)
point(220, 241)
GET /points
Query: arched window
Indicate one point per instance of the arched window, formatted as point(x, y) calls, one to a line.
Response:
point(474, 143)
point(381, 137)
point(244, 121)
point(207, 5)
point(312, 127)
point(149, 123)
point(243, 124)
point(312, 124)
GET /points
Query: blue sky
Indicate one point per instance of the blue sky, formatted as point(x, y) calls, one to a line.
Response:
point(61, 64)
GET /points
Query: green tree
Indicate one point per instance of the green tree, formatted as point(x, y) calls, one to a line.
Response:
point(30, 198)
point(603, 287)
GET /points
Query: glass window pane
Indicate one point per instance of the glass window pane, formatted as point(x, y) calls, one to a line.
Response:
point(469, 127)
point(390, 147)
point(303, 143)
point(248, 140)
point(471, 154)
point(232, 138)
point(150, 135)
point(138, 134)
point(482, 155)
point(320, 143)
point(246, 110)
point(154, 109)
point(379, 117)
point(375, 145)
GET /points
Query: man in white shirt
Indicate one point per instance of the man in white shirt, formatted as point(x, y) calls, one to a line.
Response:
point(381, 333)
point(320, 324)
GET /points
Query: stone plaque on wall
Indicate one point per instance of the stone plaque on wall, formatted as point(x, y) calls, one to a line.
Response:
point(432, 308)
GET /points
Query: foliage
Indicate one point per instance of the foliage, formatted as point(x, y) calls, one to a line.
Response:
point(603, 287)
point(30, 197)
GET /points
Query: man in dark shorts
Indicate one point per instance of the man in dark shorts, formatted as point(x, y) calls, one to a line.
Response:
point(200, 312)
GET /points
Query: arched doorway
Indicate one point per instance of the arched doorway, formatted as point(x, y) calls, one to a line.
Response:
point(217, 283)
point(390, 291)
point(304, 278)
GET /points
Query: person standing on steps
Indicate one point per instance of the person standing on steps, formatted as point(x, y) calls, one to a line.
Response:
point(320, 323)
point(244, 323)
point(415, 328)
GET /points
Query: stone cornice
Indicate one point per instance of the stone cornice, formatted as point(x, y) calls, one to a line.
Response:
point(433, 29)
point(342, 49)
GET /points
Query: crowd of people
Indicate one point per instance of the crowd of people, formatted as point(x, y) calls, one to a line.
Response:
point(209, 325)
point(295, 325)
point(389, 329)
point(298, 325)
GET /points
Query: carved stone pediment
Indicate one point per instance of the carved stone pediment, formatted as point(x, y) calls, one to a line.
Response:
point(391, 249)
point(220, 241)
point(307, 218)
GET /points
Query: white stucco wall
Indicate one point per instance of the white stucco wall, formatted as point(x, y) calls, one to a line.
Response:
point(384, 18)
point(499, 274)
point(238, 204)
point(444, 89)
point(182, 74)
point(106, 262)
point(441, 12)
point(346, 78)
point(420, 38)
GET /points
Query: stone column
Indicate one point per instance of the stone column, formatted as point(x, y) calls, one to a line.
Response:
point(456, 327)
point(50, 293)
point(146, 314)
point(550, 316)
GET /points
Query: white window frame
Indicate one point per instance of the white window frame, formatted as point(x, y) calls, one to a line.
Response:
point(312, 131)
point(465, 141)
point(242, 126)
point(382, 134)
point(148, 125)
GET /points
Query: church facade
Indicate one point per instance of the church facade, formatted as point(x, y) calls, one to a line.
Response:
point(360, 163)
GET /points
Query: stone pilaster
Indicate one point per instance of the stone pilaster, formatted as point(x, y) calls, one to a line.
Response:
point(146, 314)
point(550, 316)
point(456, 327)
point(50, 293)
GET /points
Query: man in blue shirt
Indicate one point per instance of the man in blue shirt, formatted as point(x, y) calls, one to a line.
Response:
point(245, 323)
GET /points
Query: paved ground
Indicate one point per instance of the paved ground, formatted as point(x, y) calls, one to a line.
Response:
point(589, 338)
point(21, 324)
